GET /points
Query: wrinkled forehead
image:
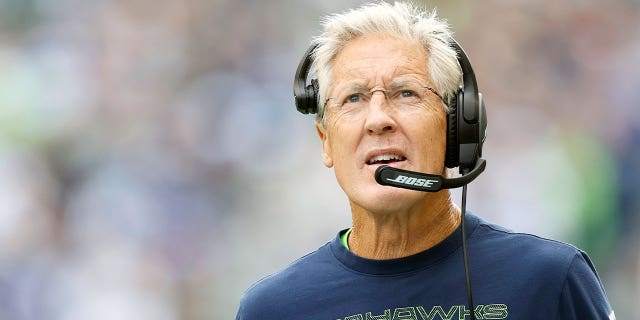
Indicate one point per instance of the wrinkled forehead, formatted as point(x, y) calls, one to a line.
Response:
point(380, 60)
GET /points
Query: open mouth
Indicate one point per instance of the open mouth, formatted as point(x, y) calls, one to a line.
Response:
point(385, 159)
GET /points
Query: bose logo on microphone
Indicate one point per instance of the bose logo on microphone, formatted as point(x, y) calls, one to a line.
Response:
point(411, 181)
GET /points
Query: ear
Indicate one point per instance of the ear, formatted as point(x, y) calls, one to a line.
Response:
point(326, 150)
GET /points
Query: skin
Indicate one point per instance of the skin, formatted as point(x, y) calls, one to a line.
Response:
point(388, 222)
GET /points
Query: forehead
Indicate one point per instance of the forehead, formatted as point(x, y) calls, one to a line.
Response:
point(377, 59)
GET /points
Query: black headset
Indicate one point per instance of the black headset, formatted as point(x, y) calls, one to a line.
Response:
point(467, 119)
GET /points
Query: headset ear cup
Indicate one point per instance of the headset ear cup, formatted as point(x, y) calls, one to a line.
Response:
point(482, 123)
point(302, 102)
point(452, 154)
point(305, 95)
point(307, 100)
point(312, 92)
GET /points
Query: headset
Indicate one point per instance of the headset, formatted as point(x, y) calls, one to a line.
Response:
point(466, 119)
point(466, 134)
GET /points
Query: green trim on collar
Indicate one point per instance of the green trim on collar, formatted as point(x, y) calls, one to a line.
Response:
point(344, 237)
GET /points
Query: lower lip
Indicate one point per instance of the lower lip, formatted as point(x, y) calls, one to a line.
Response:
point(391, 164)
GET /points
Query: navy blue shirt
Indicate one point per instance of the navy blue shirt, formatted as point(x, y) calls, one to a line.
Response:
point(514, 276)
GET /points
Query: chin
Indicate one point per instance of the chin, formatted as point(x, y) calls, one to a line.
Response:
point(385, 199)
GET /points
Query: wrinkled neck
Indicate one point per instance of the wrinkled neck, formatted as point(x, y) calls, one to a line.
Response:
point(394, 235)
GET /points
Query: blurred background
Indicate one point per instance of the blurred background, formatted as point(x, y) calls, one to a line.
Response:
point(153, 166)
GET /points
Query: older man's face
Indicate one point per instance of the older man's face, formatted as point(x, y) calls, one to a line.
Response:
point(357, 140)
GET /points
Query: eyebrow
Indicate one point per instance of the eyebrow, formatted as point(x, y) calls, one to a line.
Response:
point(353, 85)
point(397, 83)
point(359, 84)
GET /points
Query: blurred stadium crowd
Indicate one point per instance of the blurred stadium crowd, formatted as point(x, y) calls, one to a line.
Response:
point(153, 166)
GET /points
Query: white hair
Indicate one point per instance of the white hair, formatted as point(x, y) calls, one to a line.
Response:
point(401, 20)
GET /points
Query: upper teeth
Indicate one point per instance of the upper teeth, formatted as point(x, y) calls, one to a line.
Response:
point(385, 157)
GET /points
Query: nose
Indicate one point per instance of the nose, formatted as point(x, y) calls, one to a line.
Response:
point(379, 120)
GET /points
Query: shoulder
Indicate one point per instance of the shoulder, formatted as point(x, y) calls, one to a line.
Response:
point(274, 293)
point(525, 246)
point(583, 295)
point(510, 255)
point(550, 266)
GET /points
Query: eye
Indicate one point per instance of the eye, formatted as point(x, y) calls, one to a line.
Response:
point(407, 94)
point(353, 98)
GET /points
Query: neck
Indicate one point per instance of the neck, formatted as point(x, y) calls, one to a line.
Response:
point(394, 235)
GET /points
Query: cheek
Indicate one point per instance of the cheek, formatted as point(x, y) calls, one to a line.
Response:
point(432, 121)
point(339, 118)
point(438, 130)
point(431, 133)
point(344, 134)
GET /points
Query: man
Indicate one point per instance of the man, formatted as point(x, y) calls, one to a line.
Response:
point(386, 77)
